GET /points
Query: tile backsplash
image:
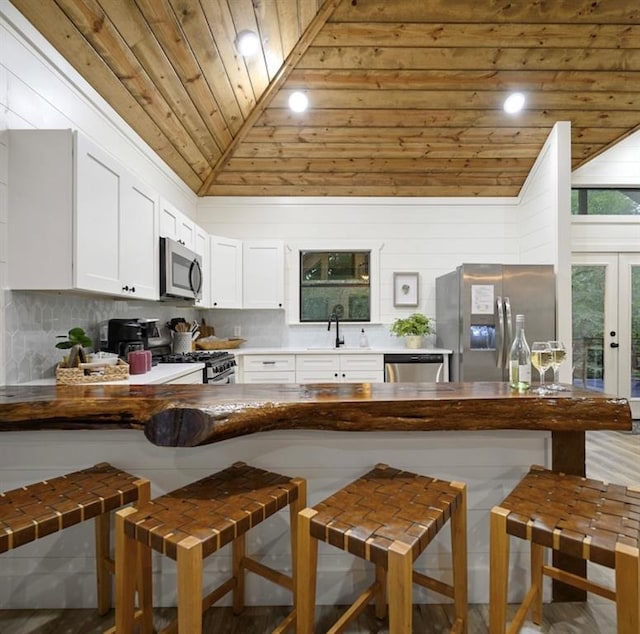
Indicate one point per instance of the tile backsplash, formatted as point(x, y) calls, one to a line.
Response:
point(33, 320)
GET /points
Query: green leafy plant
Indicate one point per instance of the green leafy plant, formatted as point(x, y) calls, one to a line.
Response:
point(416, 324)
point(75, 337)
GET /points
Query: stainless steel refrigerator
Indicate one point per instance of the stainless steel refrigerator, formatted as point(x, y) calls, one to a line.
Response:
point(476, 308)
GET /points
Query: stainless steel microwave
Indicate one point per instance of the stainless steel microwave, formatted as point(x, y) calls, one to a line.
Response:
point(180, 271)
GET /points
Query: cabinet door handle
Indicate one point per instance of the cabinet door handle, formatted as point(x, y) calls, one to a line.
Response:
point(614, 345)
point(268, 363)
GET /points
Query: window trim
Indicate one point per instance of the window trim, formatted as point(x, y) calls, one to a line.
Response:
point(293, 256)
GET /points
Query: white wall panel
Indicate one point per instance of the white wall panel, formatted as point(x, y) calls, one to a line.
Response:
point(431, 236)
point(617, 167)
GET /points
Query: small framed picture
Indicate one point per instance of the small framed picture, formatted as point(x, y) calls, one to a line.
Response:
point(405, 289)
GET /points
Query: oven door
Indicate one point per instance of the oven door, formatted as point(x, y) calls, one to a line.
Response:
point(180, 271)
point(220, 378)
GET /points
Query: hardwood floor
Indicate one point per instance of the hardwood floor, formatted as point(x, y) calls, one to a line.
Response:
point(611, 456)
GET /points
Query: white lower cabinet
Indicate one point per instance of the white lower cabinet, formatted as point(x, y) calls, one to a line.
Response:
point(339, 368)
point(311, 368)
point(272, 368)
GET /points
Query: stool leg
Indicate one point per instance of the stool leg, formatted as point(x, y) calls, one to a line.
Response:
point(537, 557)
point(294, 508)
point(103, 559)
point(627, 589)
point(381, 594)
point(459, 555)
point(189, 562)
point(144, 583)
point(400, 588)
point(498, 570)
point(239, 550)
point(125, 575)
point(306, 561)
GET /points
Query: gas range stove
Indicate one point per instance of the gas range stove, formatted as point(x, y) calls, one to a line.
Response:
point(219, 364)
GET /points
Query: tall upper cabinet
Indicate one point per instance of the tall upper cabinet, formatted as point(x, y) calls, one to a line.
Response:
point(263, 274)
point(100, 221)
point(226, 272)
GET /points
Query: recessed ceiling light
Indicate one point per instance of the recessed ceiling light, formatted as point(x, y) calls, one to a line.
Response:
point(514, 103)
point(247, 43)
point(298, 102)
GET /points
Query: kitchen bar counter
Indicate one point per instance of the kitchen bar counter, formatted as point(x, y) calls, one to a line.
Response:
point(481, 433)
point(193, 415)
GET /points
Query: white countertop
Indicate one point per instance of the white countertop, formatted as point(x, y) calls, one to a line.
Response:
point(161, 373)
point(341, 350)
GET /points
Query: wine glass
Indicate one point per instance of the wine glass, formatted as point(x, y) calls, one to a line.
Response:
point(559, 355)
point(541, 357)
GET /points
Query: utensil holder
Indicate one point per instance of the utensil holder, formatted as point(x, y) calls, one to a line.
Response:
point(182, 342)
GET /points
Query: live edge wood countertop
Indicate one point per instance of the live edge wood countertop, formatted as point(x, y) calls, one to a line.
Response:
point(194, 415)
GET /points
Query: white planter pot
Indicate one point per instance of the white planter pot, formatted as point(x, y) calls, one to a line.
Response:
point(413, 341)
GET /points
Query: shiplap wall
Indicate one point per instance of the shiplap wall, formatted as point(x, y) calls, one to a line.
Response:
point(430, 236)
point(617, 167)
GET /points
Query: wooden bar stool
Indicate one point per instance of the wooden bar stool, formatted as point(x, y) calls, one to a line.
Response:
point(387, 517)
point(36, 510)
point(193, 522)
point(583, 518)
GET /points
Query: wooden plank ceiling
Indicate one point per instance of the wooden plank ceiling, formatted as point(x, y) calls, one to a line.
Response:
point(405, 95)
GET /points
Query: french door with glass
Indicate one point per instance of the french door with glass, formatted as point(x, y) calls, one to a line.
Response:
point(606, 324)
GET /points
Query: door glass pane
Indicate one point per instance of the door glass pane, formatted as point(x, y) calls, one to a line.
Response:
point(588, 295)
point(635, 332)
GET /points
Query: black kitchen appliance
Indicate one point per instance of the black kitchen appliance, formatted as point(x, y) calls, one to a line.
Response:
point(219, 365)
point(124, 336)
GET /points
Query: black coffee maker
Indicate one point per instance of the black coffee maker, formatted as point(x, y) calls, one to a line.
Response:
point(125, 336)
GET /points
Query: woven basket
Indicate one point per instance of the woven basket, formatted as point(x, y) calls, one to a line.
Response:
point(219, 344)
point(79, 376)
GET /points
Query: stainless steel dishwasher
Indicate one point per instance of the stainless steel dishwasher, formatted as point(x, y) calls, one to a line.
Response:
point(428, 367)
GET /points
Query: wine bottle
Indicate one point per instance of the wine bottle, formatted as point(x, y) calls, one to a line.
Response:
point(520, 359)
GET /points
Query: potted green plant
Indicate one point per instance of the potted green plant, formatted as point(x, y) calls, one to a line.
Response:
point(76, 340)
point(413, 329)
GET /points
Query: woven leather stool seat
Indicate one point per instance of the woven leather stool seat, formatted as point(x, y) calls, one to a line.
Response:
point(191, 523)
point(33, 511)
point(387, 517)
point(581, 517)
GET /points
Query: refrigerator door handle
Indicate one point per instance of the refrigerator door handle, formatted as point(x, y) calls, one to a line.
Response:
point(500, 312)
point(508, 330)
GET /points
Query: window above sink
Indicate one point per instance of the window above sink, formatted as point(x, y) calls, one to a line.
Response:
point(335, 282)
point(329, 278)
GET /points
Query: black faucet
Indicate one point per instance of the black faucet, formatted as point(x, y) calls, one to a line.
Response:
point(334, 317)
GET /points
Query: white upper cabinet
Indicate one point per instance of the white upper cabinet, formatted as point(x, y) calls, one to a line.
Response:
point(98, 184)
point(226, 272)
point(139, 242)
point(100, 223)
point(176, 225)
point(263, 274)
